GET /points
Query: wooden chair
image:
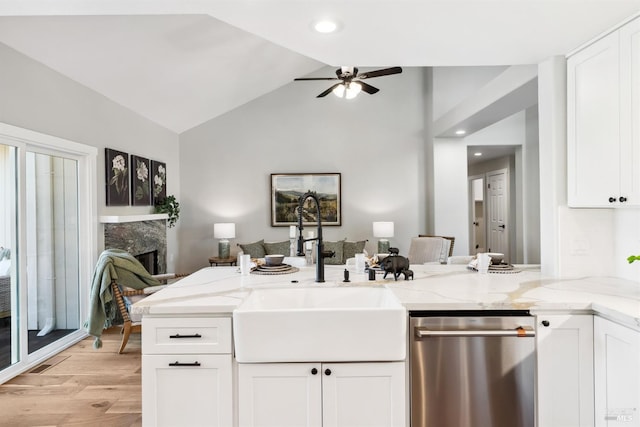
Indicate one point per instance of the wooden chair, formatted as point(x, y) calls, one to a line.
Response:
point(120, 292)
point(451, 239)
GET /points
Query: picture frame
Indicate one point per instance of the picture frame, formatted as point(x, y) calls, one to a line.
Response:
point(116, 177)
point(286, 189)
point(140, 181)
point(158, 181)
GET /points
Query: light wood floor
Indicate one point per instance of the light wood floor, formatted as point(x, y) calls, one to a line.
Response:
point(82, 387)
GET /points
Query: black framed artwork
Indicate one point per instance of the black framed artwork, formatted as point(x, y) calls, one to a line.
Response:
point(117, 177)
point(158, 181)
point(286, 189)
point(140, 182)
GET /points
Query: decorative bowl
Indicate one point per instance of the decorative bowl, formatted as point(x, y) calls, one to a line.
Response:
point(496, 258)
point(272, 260)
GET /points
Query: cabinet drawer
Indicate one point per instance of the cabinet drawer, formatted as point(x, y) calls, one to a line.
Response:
point(186, 335)
point(187, 390)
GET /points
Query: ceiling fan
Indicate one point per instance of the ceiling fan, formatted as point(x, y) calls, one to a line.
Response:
point(351, 82)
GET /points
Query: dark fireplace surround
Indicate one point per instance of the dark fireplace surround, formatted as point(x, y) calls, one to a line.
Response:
point(146, 240)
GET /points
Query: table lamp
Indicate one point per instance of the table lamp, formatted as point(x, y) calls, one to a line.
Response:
point(224, 231)
point(383, 230)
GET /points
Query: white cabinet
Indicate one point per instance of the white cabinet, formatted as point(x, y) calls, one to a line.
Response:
point(617, 374)
point(187, 372)
point(603, 142)
point(564, 347)
point(322, 394)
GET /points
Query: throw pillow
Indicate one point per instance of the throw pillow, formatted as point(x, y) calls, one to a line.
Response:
point(277, 248)
point(350, 249)
point(255, 249)
point(336, 247)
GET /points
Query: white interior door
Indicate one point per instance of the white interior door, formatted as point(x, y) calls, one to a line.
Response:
point(498, 212)
point(476, 212)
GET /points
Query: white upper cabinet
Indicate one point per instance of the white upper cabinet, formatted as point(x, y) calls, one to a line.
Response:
point(603, 145)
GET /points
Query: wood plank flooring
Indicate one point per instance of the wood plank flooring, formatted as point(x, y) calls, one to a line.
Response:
point(81, 387)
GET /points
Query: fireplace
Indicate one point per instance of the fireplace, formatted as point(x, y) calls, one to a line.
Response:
point(144, 239)
point(149, 261)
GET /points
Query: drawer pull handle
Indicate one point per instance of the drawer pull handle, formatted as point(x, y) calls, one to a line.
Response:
point(184, 364)
point(185, 336)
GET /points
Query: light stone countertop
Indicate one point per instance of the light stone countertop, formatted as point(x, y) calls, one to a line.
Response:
point(219, 290)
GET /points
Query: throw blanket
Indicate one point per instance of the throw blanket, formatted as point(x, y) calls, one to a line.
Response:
point(121, 266)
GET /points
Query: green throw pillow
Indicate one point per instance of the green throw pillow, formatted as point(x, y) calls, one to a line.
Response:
point(277, 248)
point(255, 249)
point(337, 248)
point(350, 249)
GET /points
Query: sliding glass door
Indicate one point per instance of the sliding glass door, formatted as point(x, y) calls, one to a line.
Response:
point(52, 248)
point(47, 234)
point(9, 337)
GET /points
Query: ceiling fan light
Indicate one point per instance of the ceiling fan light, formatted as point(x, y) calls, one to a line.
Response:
point(339, 91)
point(353, 90)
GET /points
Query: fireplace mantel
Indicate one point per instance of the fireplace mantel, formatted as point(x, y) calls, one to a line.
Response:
point(118, 219)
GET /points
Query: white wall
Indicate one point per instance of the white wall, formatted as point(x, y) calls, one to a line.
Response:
point(451, 200)
point(375, 142)
point(37, 98)
point(453, 85)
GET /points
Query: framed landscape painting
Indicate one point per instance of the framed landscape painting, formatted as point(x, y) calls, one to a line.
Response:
point(117, 177)
point(286, 189)
point(158, 181)
point(140, 182)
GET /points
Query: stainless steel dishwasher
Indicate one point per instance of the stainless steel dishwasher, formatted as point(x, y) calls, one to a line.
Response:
point(472, 368)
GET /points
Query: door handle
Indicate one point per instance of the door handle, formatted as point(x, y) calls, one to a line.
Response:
point(501, 226)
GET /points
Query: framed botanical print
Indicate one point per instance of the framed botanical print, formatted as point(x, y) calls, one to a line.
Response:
point(287, 188)
point(158, 181)
point(140, 182)
point(117, 177)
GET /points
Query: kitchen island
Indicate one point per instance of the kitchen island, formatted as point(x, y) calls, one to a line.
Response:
point(566, 310)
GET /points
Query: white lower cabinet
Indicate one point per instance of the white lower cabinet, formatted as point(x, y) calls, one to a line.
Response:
point(617, 374)
point(322, 394)
point(187, 390)
point(564, 348)
point(187, 374)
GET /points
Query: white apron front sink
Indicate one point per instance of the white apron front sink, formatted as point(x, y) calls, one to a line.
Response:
point(320, 324)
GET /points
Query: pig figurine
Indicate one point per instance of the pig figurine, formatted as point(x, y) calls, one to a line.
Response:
point(397, 265)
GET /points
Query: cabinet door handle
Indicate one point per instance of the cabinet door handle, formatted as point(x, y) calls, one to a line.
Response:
point(612, 199)
point(185, 336)
point(176, 363)
point(622, 199)
point(314, 371)
point(327, 371)
point(545, 323)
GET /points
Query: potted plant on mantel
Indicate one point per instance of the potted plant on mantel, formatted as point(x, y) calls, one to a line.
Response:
point(170, 206)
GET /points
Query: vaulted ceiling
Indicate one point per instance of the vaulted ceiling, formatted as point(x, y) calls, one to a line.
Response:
point(183, 62)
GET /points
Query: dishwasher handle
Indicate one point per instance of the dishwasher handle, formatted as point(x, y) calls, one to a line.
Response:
point(519, 332)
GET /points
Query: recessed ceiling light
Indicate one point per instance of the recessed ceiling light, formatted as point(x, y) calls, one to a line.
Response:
point(477, 154)
point(325, 26)
point(461, 132)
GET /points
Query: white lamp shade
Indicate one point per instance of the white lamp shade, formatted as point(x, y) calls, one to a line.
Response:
point(224, 230)
point(383, 229)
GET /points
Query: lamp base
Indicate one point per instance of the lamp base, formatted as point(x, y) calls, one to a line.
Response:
point(223, 249)
point(383, 246)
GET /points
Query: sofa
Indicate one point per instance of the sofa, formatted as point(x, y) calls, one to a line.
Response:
point(343, 249)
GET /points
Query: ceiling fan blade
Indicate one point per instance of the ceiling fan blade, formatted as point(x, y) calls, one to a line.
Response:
point(367, 88)
point(379, 73)
point(315, 78)
point(328, 91)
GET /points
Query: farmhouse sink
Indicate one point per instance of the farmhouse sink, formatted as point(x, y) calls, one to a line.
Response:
point(320, 324)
